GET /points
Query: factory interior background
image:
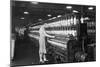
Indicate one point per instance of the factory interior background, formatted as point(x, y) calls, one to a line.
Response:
point(72, 25)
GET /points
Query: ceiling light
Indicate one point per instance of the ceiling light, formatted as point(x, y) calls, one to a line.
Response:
point(49, 15)
point(90, 8)
point(75, 11)
point(26, 12)
point(59, 16)
point(22, 18)
point(69, 7)
point(53, 17)
point(34, 2)
point(50, 19)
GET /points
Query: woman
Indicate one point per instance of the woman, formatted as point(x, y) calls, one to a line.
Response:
point(42, 46)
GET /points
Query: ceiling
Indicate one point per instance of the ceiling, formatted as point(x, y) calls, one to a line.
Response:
point(39, 10)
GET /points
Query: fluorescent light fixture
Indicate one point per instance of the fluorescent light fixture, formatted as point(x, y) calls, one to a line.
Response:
point(50, 19)
point(34, 2)
point(22, 18)
point(49, 15)
point(59, 16)
point(26, 12)
point(53, 17)
point(75, 11)
point(90, 8)
point(69, 7)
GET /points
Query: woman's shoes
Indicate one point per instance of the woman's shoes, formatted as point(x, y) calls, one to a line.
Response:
point(45, 60)
point(41, 61)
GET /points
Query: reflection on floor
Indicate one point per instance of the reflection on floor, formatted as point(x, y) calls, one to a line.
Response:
point(26, 52)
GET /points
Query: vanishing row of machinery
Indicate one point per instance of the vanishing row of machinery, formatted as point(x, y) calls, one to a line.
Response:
point(68, 44)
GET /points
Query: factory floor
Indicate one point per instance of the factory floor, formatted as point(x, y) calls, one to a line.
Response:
point(26, 53)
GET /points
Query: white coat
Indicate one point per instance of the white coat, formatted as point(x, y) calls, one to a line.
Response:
point(42, 45)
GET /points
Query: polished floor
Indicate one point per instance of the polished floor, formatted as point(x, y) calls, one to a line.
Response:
point(26, 53)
